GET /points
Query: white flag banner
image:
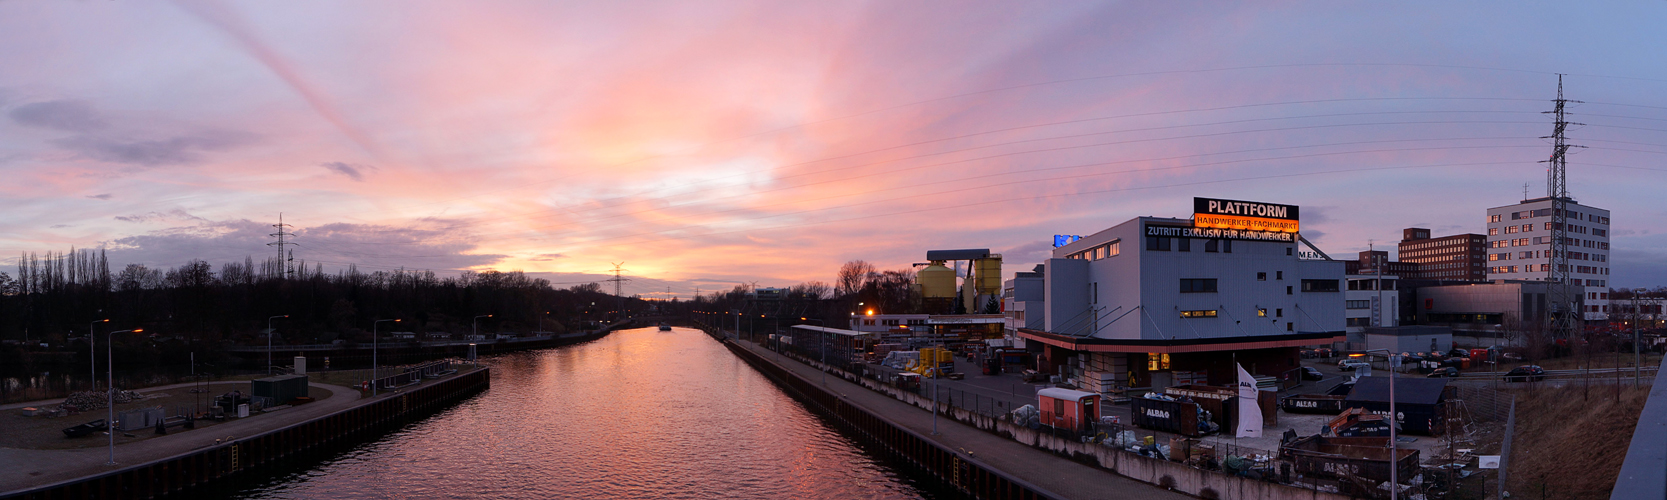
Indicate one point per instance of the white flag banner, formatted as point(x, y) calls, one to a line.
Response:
point(1250, 413)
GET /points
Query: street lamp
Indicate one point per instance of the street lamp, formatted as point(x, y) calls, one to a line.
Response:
point(1394, 425)
point(92, 352)
point(373, 364)
point(109, 361)
point(269, 332)
point(475, 324)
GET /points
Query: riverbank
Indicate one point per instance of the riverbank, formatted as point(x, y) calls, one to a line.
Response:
point(179, 461)
point(955, 448)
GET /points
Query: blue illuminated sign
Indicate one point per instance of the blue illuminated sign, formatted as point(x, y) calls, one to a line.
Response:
point(1060, 240)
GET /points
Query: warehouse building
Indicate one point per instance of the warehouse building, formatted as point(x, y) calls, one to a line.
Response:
point(1154, 302)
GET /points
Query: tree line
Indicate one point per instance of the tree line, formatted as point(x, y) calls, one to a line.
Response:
point(56, 296)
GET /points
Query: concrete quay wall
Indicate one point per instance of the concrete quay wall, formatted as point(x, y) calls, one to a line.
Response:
point(183, 473)
point(1164, 473)
point(951, 466)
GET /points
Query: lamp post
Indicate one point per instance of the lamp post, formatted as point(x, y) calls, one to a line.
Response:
point(1394, 426)
point(373, 364)
point(110, 392)
point(269, 332)
point(92, 352)
point(475, 324)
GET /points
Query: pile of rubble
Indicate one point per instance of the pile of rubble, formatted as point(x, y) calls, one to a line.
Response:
point(95, 400)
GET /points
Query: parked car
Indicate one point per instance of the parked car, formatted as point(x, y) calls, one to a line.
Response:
point(1350, 364)
point(1525, 373)
point(1444, 372)
point(1311, 373)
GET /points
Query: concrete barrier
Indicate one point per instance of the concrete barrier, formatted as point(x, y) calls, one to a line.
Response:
point(1179, 477)
point(183, 473)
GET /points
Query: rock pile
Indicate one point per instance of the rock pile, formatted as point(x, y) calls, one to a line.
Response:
point(95, 400)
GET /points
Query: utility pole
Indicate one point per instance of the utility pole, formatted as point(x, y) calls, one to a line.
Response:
point(1637, 359)
point(288, 261)
point(619, 294)
point(1565, 297)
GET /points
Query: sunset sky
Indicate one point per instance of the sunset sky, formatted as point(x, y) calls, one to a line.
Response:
point(705, 144)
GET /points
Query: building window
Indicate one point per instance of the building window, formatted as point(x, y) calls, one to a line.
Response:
point(1203, 285)
point(1493, 231)
point(1206, 313)
point(1157, 244)
point(1226, 246)
point(1261, 312)
point(1184, 245)
point(1290, 326)
point(1278, 313)
point(1319, 285)
point(1211, 246)
point(1261, 276)
point(1287, 290)
point(1157, 362)
point(1360, 322)
point(1288, 251)
point(1279, 275)
point(1358, 304)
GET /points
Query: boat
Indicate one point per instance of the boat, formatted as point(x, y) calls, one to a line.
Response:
point(664, 327)
point(85, 429)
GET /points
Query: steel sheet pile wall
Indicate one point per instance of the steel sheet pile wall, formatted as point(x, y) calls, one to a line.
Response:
point(948, 465)
point(180, 473)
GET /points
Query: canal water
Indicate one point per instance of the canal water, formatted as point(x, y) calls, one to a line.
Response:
point(637, 414)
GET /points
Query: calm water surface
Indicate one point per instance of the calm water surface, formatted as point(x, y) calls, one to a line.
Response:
point(638, 414)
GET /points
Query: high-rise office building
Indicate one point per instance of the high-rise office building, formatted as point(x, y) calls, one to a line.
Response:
point(1519, 248)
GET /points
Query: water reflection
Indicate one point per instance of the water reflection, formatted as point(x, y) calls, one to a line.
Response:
point(638, 414)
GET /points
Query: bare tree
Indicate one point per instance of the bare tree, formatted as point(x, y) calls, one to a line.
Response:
point(852, 276)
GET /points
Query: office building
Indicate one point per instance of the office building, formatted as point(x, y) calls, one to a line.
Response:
point(1519, 248)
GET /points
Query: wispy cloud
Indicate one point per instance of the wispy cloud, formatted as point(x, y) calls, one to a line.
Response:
point(67, 115)
point(352, 171)
point(104, 196)
point(153, 152)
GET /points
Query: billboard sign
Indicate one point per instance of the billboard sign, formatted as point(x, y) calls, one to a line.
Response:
point(1244, 215)
point(1156, 230)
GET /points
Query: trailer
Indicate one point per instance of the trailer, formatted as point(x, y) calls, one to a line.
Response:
point(1343, 457)
point(1066, 409)
point(1176, 416)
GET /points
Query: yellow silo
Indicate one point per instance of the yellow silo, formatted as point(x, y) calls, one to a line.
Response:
point(937, 281)
point(987, 275)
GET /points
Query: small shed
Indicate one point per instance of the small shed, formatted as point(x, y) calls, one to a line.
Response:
point(1419, 402)
point(1410, 338)
point(1068, 409)
point(281, 389)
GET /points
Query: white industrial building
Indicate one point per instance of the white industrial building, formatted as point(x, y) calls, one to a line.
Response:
point(1519, 248)
point(1370, 301)
point(1023, 301)
point(1157, 301)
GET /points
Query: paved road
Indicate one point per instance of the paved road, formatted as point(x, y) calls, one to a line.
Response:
point(1057, 475)
point(21, 468)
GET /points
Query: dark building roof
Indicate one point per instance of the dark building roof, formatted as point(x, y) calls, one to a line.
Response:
point(965, 254)
point(1418, 391)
